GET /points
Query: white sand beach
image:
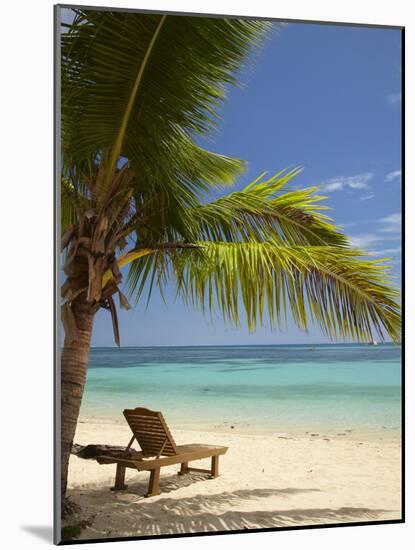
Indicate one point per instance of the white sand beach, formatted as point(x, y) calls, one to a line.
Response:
point(266, 480)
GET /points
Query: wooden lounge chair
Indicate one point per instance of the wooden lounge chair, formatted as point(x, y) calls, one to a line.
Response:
point(158, 449)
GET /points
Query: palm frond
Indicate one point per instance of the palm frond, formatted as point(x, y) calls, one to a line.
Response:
point(68, 204)
point(141, 86)
point(263, 210)
point(72, 200)
point(337, 288)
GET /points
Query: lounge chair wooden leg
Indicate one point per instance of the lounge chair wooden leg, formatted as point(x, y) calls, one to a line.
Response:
point(214, 471)
point(153, 486)
point(119, 479)
point(184, 468)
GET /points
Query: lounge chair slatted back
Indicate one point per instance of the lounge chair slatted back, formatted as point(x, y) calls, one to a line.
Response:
point(151, 432)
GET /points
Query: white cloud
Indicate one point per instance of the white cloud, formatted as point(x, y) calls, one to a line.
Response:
point(369, 241)
point(395, 175)
point(385, 241)
point(395, 98)
point(360, 181)
point(365, 240)
point(388, 251)
point(367, 197)
point(334, 186)
point(391, 223)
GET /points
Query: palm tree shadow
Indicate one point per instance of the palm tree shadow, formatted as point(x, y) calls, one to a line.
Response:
point(168, 484)
point(207, 513)
point(137, 487)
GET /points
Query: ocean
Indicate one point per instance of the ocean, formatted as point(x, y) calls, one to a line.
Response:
point(283, 388)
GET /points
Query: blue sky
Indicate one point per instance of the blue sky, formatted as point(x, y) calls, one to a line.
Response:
point(327, 98)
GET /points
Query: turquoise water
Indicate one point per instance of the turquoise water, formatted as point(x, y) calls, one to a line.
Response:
point(281, 388)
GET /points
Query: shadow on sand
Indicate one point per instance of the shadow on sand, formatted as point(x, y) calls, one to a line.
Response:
point(127, 513)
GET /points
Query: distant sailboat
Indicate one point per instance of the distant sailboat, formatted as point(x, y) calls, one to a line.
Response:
point(374, 343)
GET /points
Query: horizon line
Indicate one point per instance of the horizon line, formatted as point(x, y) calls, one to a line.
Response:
point(248, 345)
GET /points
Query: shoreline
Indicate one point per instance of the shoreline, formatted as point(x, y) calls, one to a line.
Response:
point(346, 431)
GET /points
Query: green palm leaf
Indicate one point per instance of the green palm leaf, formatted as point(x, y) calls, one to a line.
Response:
point(140, 86)
point(265, 210)
point(347, 295)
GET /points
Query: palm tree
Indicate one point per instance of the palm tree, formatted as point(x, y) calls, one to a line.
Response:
point(136, 89)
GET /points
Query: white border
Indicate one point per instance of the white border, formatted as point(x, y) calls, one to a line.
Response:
point(27, 274)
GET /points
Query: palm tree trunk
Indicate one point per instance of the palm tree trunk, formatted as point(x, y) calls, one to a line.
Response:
point(74, 362)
